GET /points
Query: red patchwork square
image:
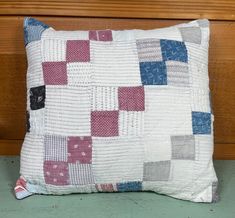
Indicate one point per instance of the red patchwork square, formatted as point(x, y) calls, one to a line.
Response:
point(104, 123)
point(106, 187)
point(101, 35)
point(79, 149)
point(93, 35)
point(56, 172)
point(55, 73)
point(78, 51)
point(131, 98)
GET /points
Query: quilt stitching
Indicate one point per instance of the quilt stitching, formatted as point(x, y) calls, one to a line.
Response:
point(93, 89)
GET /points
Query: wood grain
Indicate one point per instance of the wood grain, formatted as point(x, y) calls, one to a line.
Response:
point(10, 147)
point(12, 95)
point(224, 151)
point(170, 9)
point(13, 73)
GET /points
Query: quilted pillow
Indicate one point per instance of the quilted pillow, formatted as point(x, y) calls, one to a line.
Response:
point(117, 111)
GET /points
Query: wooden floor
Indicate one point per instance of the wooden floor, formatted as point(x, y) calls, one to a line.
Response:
point(115, 205)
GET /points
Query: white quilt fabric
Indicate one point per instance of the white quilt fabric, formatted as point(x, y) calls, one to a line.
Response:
point(115, 111)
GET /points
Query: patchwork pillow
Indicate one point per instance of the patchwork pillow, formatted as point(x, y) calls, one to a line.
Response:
point(117, 111)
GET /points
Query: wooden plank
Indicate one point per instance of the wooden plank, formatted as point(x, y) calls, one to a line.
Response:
point(10, 147)
point(224, 151)
point(222, 80)
point(170, 9)
point(12, 95)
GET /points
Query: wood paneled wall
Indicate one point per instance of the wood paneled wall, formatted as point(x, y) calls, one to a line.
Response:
point(100, 14)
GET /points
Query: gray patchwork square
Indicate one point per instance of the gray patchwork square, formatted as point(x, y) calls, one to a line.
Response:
point(157, 171)
point(191, 34)
point(203, 23)
point(55, 148)
point(149, 50)
point(183, 147)
point(80, 174)
point(177, 73)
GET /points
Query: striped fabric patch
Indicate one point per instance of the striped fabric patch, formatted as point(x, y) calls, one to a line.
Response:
point(34, 59)
point(80, 174)
point(177, 73)
point(149, 50)
point(68, 111)
point(53, 50)
point(104, 98)
point(32, 158)
point(55, 148)
point(131, 123)
point(119, 57)
point(79, 73)
point(111, 157)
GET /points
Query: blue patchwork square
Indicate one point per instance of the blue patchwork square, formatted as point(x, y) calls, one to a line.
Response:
point(33, 29)
point(129, 186)
point(173, 50)
point(201, 122)
point(153, 73)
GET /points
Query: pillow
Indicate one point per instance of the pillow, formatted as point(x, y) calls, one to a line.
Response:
point(118, 111)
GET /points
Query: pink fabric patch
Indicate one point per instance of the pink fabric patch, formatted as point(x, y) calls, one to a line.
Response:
point(105, 187)
point(93, 35)
point(104, 123)
point(80, 149)
point(56, 172)
point(55, 73)
point(20, 185)
point(105, 35)
point(78, 51)
point(131, 98)
point(21, 182)
point(101, 35)
point(20, 189)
